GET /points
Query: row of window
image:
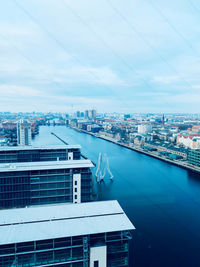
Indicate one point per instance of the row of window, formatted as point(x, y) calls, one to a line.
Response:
point(34, 259)
point(58, 192)
point(65, 185)
point(15, 188)
point(50, 200)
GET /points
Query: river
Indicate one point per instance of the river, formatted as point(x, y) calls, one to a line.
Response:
point(161, 200)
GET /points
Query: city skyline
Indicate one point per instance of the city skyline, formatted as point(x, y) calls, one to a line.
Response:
point(128, 57)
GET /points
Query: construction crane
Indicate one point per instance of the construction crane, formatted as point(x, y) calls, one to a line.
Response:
point(83, 156)
point(102, 168)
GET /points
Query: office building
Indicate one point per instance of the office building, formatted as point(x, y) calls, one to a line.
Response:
point(78, 114)
point(194, 157)
point(144, 128)
point(34, 183)
point(94, 114)
point(24, 135)
point(94, 234)
point(86, 114)
point(43, 153)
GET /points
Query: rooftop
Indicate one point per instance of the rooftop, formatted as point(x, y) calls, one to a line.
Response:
point(48, 147)
point(45, 165)
point(63, 220)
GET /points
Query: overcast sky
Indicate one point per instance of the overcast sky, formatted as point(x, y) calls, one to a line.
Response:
point(112, 55)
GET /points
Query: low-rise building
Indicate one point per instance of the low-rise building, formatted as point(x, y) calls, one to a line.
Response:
point(189, 141)
point(194, 157)
point(167, 147)
point(88, 234)
point(35, 183)
point(42, 153)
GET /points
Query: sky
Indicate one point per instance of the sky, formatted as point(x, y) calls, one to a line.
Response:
point(115, 56)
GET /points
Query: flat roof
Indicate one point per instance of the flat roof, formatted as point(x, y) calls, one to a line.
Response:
point(63, 220)
point(45, 165)
point(17, 148)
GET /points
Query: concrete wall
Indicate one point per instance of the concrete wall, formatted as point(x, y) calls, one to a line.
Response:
point(70, 156)
point(77, 188)
point(98, 254)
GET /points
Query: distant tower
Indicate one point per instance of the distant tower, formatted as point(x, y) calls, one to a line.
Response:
point(24, 133)
point(163, 120)
point(94, 113)
point(78, 114)
point(86, 114)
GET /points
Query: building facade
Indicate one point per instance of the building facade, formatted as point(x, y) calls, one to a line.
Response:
point(190, 141)
point(36, 183)
point(92, 234)
point(44, 153)
point(144, 128)
point(24, 135)
point(194, 157)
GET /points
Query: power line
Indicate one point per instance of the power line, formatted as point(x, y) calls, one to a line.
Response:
point(164, 17)
point(139, 34)
point(194, 5)
point(60, 44)
point(57, 41)
point(130, 67)
point(16, 48)
point(101, 39)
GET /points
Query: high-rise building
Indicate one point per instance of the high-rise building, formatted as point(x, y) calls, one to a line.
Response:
point(24, 133)
point(86, 114)
point(35, 183)
point(163, 119)
point(78, 114)
point(92, 234)
point(94, 114)
point(44, 153)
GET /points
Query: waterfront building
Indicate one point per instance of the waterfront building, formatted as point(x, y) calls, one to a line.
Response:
point(94, 234)
point(42, 153)
point(194, 157)
point(34, 183)
point(166, 147)
point(24, 133)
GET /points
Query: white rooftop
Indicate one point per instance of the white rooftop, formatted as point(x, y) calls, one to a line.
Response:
point(17, 148)
point(45, 165)
point(63, 220)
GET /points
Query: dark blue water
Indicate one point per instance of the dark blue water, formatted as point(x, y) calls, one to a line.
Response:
point(162, 200)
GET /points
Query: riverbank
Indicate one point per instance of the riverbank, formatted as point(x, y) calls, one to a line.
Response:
point(181, 164)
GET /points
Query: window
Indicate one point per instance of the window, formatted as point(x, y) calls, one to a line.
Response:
point(96, 263)
point(75, 196)
point(75, 189)
point(75, 182)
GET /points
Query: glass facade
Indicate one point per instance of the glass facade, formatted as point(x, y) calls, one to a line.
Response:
point(194, 157)
point(36, 187)
point(70, 251)
point(33, 155)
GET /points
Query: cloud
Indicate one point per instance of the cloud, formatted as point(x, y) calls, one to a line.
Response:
point(13, 91)
point(60, 59)
point(166, 79)
point(92, 75)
